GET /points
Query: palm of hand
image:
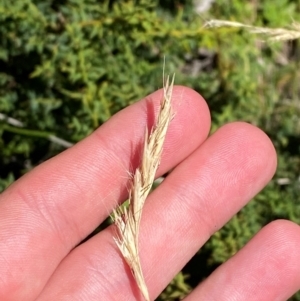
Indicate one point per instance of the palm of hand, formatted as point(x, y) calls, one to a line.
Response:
point(45, 214)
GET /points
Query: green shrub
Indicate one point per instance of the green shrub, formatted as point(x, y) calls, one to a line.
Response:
point(67, 66)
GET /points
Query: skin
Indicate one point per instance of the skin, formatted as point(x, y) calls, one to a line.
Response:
point(49, 211)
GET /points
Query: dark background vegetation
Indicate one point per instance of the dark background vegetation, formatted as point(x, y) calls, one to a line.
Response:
point(67, 66)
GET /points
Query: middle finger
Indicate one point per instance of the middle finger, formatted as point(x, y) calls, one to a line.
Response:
point(198, 197)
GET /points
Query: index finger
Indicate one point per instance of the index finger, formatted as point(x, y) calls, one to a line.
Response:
point(52, 208)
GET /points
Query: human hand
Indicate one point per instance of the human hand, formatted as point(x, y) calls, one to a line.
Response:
point(50, 210)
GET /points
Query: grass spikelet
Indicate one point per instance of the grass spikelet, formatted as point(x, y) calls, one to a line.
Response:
point(272, 34)
point(127, 219)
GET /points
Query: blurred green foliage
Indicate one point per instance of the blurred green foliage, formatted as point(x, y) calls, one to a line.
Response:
point(67, 66)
